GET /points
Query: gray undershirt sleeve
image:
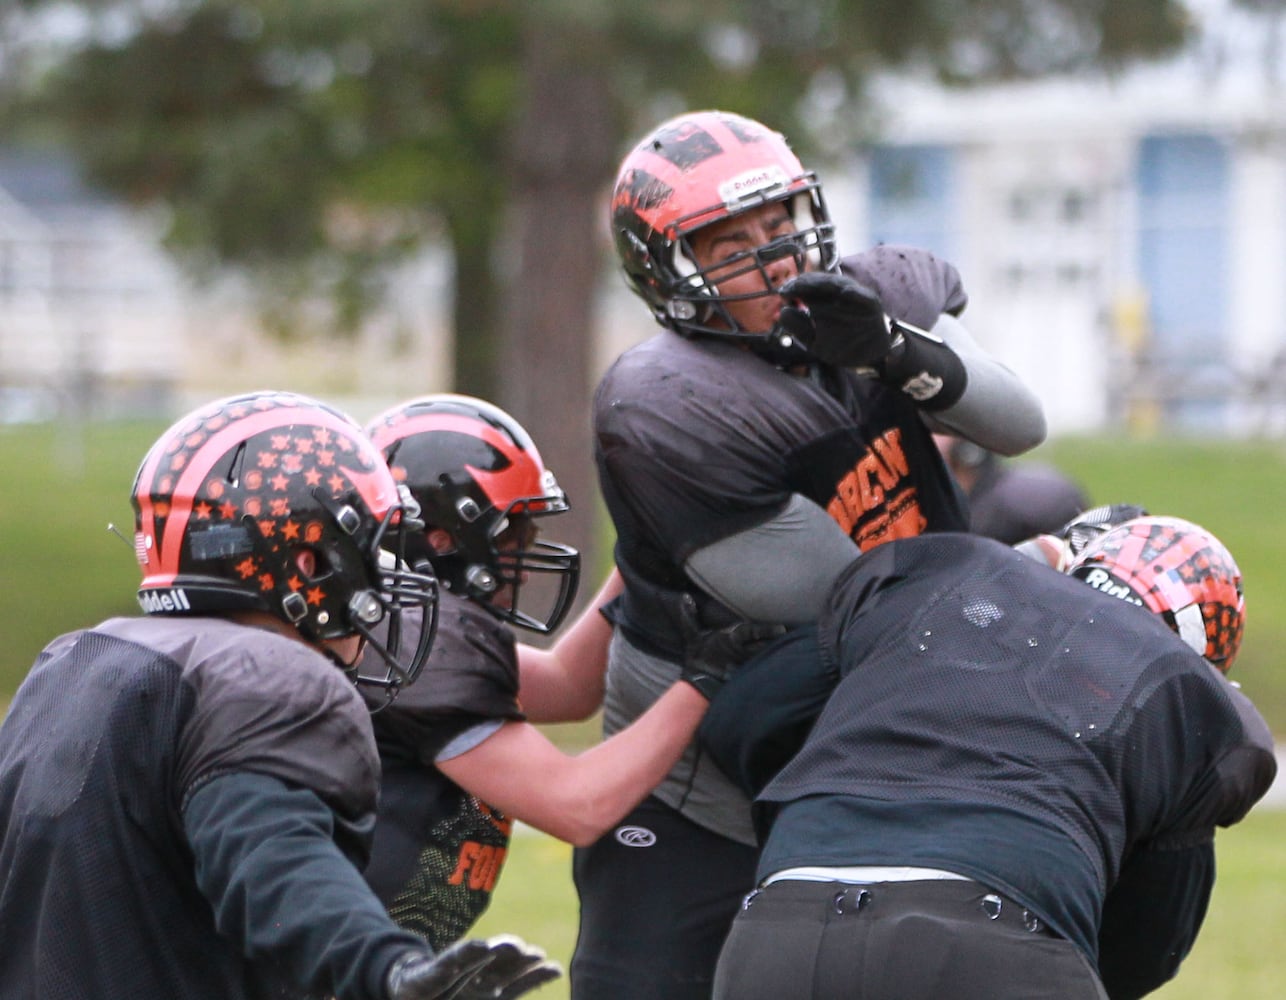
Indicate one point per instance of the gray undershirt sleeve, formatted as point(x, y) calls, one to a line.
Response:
point(779, 571)
point(997, 410)
point(782, 570)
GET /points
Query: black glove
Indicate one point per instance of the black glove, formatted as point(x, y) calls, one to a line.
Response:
point(499, 968)
point(837, 319)
point(515, 968)
point(1089, 525)
point(913, 284)
point(711, 654)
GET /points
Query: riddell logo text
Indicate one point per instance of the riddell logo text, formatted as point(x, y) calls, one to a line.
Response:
point(155, 601)
point(1103, 582)
point(752, 181)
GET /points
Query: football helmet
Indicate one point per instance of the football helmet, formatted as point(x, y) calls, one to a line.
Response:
point(272, 501)
point(1177, 570)
point(481, 485)
point(701, 168)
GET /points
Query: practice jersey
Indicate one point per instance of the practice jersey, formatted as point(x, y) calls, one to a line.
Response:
point(1003, 721)
point(438, 851)
point(697, 440)
point(111, 734)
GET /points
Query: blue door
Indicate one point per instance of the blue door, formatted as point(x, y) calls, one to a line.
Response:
point(910, 197)
point(1184, 208)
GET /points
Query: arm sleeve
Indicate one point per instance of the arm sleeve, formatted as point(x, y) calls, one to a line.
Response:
point(1152, 915)
point(802, 550)
point(268, 861)
point(997, 409)
point(763, 713)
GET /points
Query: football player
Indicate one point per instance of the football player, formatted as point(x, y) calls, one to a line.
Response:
point(778, 424)
point(461, 757)
point(1010, 776)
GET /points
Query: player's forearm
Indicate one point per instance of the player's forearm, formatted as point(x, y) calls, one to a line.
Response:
point(997, 410)
point(279, 885)
point(608, 780)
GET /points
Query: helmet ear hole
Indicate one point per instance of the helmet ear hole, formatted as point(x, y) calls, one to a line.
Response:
point(311, 563)
point(440, 541)
point(305, 561)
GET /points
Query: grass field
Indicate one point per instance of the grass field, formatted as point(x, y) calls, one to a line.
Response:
point(60, 568)
point(1237, 957)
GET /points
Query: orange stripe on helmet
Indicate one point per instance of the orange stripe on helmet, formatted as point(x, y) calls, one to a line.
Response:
point(522, 477)
point(376, 487)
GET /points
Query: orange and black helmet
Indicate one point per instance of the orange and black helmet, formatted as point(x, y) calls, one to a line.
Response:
point(481, 486)
point(232, 497)
point(694, 170)
point(1175, 569)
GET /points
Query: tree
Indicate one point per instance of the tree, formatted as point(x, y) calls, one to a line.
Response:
point(311, 143)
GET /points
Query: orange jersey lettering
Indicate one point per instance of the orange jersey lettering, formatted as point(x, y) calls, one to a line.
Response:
point(878, 484)
point(481, 863)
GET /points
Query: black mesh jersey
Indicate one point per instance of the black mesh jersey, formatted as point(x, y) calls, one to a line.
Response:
point(438, 851)
point(1001, 720)
point(697, 440)
point(110, 733)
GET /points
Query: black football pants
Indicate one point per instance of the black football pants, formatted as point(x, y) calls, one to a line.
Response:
point(896, 941)
point(657, 896)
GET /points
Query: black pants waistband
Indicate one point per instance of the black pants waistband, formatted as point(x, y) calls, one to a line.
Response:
point(944, 896)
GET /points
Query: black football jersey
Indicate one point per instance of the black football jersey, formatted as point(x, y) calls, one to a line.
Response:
point(1001, 720)
point(107, 738)
point(697, 440)
point(438, 850)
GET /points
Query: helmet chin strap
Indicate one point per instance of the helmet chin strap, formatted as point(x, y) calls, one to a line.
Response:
point(328, 651)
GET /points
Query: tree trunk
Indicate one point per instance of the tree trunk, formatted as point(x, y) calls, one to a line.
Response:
point(563, 155)
point(476, 314)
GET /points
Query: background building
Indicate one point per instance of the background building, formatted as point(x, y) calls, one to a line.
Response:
point(91, 311)
point(1123, 240)
point(97, 320)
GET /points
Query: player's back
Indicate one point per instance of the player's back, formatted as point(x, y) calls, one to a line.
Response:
point(106, 735)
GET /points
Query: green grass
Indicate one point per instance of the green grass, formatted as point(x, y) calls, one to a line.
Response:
point(1238, 953)
point(60, 568)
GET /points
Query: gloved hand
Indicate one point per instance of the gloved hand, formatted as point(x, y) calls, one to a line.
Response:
point(711, 654)
point(914, 285)
point(499, 968)
point(839, 320)
point(515, 968)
